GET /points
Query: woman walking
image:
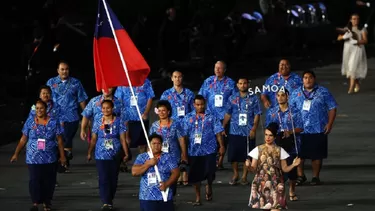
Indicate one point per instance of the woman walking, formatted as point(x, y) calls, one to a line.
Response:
point(354, 63)
point(39, 134)
point(108, 139)
point(269, 159)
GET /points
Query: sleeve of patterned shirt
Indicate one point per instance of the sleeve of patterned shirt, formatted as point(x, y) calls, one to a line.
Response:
point(27, 126)
point(297, 118)
point(81, 95)
point(329, 100)
point(149, 89)
point(88, 112)
point(229, 105)
point(218, 127)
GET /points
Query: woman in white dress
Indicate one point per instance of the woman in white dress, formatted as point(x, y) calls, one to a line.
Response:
point(354, 63)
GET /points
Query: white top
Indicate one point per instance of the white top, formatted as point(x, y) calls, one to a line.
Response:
point(255, 154)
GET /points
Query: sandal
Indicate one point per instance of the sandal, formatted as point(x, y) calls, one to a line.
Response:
point(300, 180)
point(196, 203)
point(244, 182)
point(233, 181)
point(208, 195)
point(293, 197)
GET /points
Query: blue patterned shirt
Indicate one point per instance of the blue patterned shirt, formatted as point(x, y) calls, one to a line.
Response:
point(322, 102)
point(48, 133)
point(207, 127)
point(103, 149)
point(285, 121)
point(53, 111)
point(293, 82)
point(211, 87)
point(151, 192)
point(67, 95)
point(248, 106)
point(94, 108)
point(185, 99)
point(143, 93)
point(170, 135)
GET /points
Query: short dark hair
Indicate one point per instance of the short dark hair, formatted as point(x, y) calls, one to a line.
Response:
point(110, 102)
point(199, 97)
point(45, 87)
point(166, 104)
point(308, 72)
point(155, 135)
point(242, 77)
point(62, 62)
point(41, 102)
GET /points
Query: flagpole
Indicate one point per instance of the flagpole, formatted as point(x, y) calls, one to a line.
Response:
point(164, 193)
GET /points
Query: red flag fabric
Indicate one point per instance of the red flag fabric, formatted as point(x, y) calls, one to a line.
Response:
point(109, 70)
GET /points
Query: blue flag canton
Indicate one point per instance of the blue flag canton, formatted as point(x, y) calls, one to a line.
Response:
point(102, 27)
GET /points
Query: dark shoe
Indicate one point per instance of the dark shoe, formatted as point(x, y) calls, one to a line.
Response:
point(107, 207)
point(315, 181)
point(301, 180)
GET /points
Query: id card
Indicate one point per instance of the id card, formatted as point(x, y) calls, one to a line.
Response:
point(41, 144)
point(151, 179)
point(108, 144)
point(133, 100)
point(181, 111)
point(198, 138)
point(165, 147)
point(242, 119)
point(218, 100)
point(306, 105)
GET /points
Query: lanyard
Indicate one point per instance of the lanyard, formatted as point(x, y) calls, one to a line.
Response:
point(223, 88)
point(309, 95)
point(38, 132)
point(196, 122)
point(168, 129)
point(49, 107)
point(110, 127)
point(281, 123)
point(247, 102)
point(183, 99)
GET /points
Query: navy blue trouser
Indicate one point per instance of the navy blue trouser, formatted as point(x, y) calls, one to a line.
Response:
point(108, 171)
point(42, 182)
point(70, 130)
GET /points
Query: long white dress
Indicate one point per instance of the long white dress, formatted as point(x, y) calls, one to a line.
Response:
point(354, 63)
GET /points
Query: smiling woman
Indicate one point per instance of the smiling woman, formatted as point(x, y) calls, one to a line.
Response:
point(40, 133)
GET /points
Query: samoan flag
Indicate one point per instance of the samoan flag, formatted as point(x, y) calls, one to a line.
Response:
point(109, 70)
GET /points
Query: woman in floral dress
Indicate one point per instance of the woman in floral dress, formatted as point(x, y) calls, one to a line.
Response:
point(268, 162)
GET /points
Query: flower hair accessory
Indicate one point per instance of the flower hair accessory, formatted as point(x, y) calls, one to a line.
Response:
point(156, 110)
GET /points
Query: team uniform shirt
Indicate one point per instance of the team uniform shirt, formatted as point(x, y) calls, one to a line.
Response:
point(182, 103)
point(108, 141)
point(286, 120)
point(93, 110)
point(41, 147)
point(142, 95)
point(67, 95)
point(314, 107)
point(149, 185)
point(201, 133)
point(171, 135)
point(243, 111)
point(293, 82)
point(217, 92)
